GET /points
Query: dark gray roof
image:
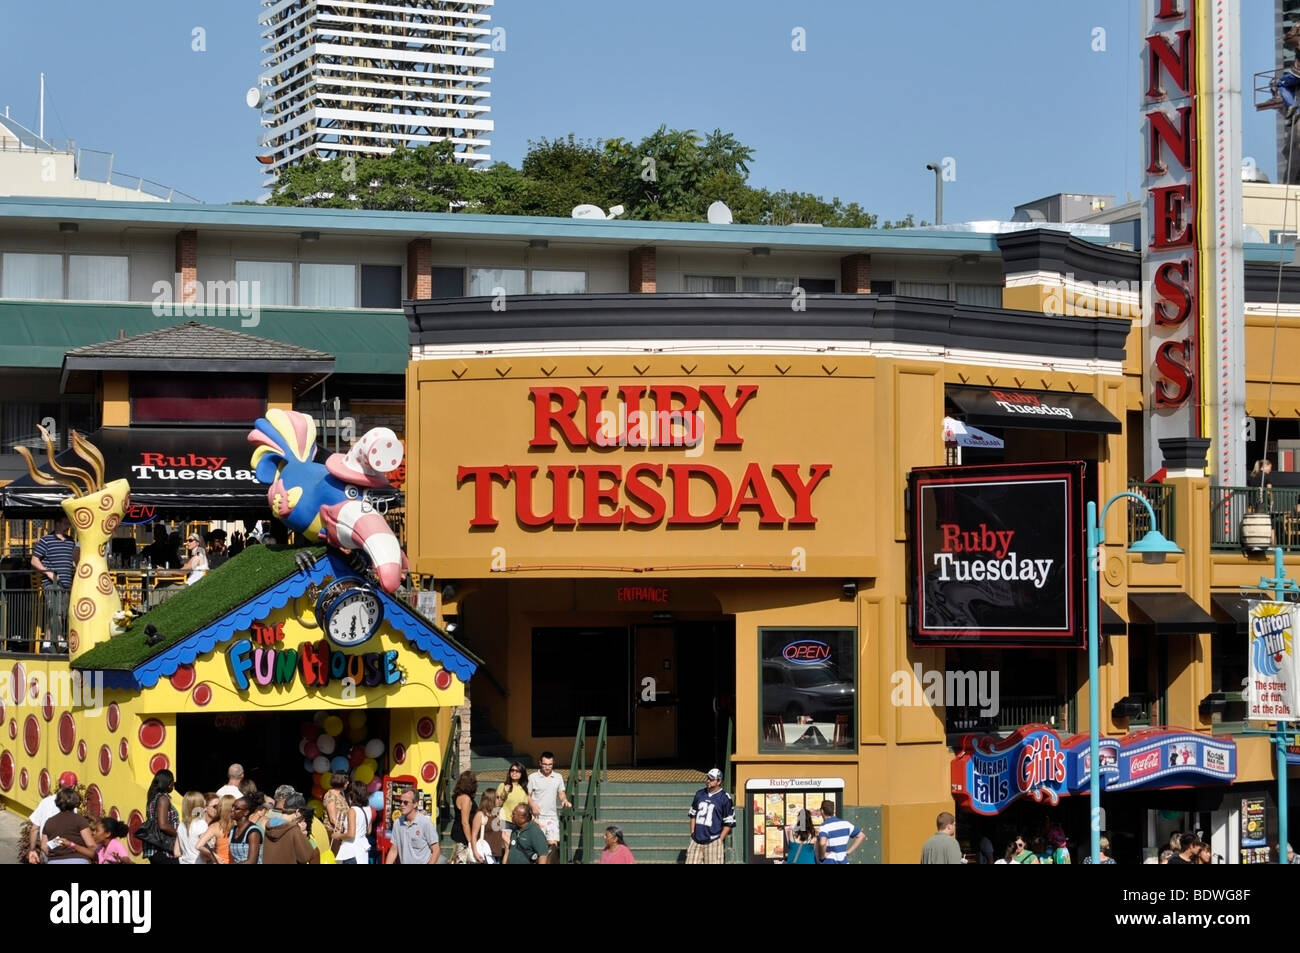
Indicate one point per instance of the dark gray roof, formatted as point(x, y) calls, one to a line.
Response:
point(201, 341)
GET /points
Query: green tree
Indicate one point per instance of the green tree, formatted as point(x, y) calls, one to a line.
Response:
point(669, 175)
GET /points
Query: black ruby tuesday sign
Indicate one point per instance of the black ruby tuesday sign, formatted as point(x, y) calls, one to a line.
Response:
point(998, 555)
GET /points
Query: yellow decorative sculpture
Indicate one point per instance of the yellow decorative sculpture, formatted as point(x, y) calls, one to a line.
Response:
point(95, 511)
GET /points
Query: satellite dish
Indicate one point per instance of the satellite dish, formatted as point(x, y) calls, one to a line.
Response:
point(719, 214)
point(253, 97)
point(587, 211)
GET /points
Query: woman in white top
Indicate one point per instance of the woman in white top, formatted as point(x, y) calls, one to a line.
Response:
point(192, 827)
point(197, 564)
point(354, 848)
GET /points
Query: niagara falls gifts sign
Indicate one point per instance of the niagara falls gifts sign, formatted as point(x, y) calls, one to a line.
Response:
point(657, 432)
point(998, 555)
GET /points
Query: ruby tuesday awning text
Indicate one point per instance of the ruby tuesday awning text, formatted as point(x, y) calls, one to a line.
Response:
point(648, 492)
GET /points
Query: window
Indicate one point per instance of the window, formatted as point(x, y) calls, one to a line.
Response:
point(710, 284)
point(984, 296)
point(882, 287)
point(924, 289)
point(818, 286)
point(97, 278)
point(196, 399)
point(1229, 650)
point(809, 689)
point(559, 282)
point(19, 419)
point(381, 286)
point(274, 281)
point(580, 672)
point(31, 276)
point(487, 281)
point(448, 282)
point(327, 286)
point(767, 285)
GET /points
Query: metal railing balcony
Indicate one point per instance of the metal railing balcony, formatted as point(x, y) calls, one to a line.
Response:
point(1230, 505)
point(29, 616)
point(1161, 498)
point(1014, 711)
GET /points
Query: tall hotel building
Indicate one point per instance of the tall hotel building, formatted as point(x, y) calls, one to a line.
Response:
point(360, 77)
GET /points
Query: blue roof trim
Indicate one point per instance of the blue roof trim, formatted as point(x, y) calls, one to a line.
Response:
point(445, 224)
point(415, 630)
point(426, 638)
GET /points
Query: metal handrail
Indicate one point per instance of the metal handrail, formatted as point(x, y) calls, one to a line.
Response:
point(447, 779)
point(737, 804)
point(594, 776)
point(491, 679)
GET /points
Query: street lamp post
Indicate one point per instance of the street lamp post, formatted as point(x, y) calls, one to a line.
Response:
point(938, 191)
point(1151, 544)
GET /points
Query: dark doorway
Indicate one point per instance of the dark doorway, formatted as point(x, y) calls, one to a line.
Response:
point(706, 688)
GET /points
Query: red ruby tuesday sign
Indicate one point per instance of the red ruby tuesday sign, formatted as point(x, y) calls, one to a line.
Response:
point(666, 426)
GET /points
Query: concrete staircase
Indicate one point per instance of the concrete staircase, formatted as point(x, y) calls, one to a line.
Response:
point(490, 753)
point(654, 816)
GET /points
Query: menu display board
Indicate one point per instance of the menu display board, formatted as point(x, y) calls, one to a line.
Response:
point(1254, 830)
point(775, 806)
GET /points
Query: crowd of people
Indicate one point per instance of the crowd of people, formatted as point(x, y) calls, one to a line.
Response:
point(515, 822)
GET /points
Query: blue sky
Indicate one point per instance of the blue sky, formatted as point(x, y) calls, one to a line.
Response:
point(1012, 90)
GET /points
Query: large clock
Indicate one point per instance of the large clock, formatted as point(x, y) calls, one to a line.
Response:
point(349, 612)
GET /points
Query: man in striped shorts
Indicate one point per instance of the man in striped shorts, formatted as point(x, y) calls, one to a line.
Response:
point(55, 557)
point(713, 817)
point(834, 835)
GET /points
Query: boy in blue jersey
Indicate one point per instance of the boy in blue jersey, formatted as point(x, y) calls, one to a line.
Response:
point(713, 816)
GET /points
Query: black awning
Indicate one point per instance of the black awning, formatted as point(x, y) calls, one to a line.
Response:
point(1111, 622)
point(1031, 409)
point(174, 473)
point(1233, 609)
point(1170, 613)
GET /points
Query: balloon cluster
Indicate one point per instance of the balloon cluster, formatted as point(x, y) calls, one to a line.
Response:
point(327, 748)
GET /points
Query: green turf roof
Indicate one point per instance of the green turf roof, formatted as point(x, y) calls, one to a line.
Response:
point(222, 590)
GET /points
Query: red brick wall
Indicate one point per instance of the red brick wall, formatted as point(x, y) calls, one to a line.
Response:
point(419, 273)
point(855, 274)
point(187, 264)
point(641, 270)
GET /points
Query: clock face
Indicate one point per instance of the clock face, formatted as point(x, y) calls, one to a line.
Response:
point(353, 617)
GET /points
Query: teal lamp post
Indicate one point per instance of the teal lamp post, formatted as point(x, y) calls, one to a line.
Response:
point(1152, 544)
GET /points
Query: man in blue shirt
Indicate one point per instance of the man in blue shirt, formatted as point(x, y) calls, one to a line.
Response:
point(834, 835)
point(55, 558)
point(713, 816)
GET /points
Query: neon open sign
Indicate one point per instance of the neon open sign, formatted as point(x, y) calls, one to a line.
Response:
point(807, 652)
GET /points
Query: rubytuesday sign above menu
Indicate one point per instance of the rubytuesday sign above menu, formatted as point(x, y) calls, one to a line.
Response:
point(998, 555)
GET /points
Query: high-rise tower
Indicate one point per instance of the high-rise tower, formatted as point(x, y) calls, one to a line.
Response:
point(361, 77)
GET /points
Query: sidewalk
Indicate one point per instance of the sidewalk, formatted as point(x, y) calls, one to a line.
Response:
point(9, 824)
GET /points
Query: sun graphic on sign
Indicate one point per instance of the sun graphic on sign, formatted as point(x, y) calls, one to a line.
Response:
point(1270, 642)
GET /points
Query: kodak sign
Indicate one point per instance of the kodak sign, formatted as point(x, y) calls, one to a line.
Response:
point(637, 449)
